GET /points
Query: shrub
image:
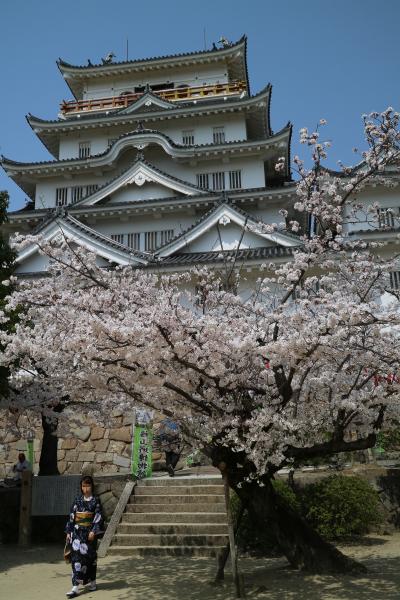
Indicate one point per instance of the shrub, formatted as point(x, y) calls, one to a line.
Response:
point(340, 506)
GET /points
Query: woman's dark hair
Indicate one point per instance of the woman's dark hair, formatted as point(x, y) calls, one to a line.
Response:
point(87, 479)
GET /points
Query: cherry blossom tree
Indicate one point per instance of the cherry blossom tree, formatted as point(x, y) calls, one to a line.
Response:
point(258, 383)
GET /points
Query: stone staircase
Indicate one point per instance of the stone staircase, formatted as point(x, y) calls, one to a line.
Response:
point(173, 517)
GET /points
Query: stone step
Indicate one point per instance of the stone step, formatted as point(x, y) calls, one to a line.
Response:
point(173, 481)
point(170, 540)
point(178, 507)
point(178, 499)
point(173, 528)
point(137, 551)
point(176, 517)
point(155, 490)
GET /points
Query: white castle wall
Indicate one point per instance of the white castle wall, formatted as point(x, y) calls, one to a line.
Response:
point(198, 76)
point(235, 130)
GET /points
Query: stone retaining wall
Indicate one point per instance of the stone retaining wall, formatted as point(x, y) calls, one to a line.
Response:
point(87, 448)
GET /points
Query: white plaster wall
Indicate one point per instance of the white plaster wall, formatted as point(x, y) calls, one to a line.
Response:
point(147, 191)
point(191, 76)
point(235, 130)
point(230, 237)
point(385, 197)
point(45, 196)
point(33, 264)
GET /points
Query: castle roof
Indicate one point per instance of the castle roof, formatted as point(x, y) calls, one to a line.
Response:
point(257, 106)
point(234, 54)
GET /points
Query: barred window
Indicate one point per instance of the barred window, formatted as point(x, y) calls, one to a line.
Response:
point(150, 241)
point(77, 193)
point(218, 135)
point(133, 241)
point(84, 149)
point(218, 180)
point(386, 217)
point(395, 280)
point(90, 189)
point(117, 237)
point(188, 137)
point(165, 236)
point(235, 180)
point(61, 196)
point(202, 181)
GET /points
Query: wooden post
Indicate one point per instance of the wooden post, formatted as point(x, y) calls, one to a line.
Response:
point(24, 536)
point(232, 545)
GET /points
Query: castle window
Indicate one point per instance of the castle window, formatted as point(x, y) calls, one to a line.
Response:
point(218, 180)
point(90, 189)
point(395, 280)
point(218, 135)
point(166, 236)
point(150, 241)
point(386, 217)
point(188, 137)
point(235, 180)
point(202, 181)
point(133, 241)
point(61, 196)
point(117, 237)
point(77, 193)
point(84, 149)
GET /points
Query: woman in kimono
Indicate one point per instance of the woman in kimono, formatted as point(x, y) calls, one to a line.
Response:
point(84, 524)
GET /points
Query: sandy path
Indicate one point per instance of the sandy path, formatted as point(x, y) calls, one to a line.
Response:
point(37, 573)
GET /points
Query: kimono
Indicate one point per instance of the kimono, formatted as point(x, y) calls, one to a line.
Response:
point(85, 516)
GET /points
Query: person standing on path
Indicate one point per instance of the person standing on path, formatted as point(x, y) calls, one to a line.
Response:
point(84, 524)
point(170, 442)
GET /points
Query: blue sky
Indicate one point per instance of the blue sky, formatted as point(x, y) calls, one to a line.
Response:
point(326, 59)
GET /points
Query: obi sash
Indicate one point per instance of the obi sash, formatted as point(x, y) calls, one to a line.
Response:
point(84, 519)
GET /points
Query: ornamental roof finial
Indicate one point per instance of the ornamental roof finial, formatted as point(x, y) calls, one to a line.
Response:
point(225, 43)
point(108, 59)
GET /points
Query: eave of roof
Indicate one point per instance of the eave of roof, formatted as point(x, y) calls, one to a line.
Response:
point(14, 168)
point(73, 73)
point(44, 129)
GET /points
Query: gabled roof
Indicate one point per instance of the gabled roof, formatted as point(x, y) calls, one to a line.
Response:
point(148, 102)
point(224, 213)
point(221, 256)
point(75, 231)
point(75, 75)
point(257, 109)
point(139, 173)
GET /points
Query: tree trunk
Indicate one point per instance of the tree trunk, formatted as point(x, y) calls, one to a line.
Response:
point(298, 541)
point(48, 455)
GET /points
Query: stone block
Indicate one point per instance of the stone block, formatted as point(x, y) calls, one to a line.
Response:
point(105, 496)
point(121, 461)
point(128, 419)
point(116, 447)
point(69, 444)
point(104, 457)
point(102, 487)
point(86, 456)
point(62, 465)
point(74, 468)
point(122, 434)
point(101, 445)
point(82, 433)
point(61, 454)
point(86, 447)
point(88, 469)
point(117, 412)
point(157, 456)
point(97, 433)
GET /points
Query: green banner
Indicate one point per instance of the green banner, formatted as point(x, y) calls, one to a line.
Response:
point(142, 451)
point(30, 453)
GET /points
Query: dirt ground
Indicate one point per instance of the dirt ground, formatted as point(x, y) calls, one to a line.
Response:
point(38, 573)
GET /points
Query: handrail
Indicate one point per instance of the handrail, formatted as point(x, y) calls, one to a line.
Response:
point(173, 94)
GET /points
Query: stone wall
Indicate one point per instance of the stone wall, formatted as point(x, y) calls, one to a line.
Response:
point(87, 448)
